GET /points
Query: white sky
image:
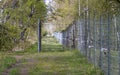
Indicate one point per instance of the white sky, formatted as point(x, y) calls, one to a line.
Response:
point(47, 1)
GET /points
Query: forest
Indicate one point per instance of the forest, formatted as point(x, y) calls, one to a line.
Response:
point(19, 18)
point(78, 37)
point(19, 22)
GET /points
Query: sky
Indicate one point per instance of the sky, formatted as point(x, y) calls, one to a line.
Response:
point(47, 1)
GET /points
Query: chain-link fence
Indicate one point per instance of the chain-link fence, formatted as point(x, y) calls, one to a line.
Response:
point(97, 37)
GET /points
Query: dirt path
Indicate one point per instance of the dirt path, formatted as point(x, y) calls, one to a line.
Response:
point(13, 66)
point(23, 64)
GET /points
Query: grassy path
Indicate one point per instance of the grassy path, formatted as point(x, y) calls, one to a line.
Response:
point(53, 60)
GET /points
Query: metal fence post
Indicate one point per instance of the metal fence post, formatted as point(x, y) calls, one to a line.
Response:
point(89, 37)
point(118, 46)
point(118, 43)
point(100, 58)
point(86, 34)
point(108, 42)
point(78, 34)
point(39, 35)
point(94, 24)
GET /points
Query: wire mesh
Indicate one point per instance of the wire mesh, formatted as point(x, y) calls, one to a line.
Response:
point(97, 37)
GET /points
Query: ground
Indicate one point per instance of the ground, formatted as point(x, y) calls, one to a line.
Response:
point(52, 60)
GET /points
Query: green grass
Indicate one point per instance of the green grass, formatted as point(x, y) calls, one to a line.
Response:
point(6, 62)
point(14, 71)
point(63, 63)
point(114, 60)
point(52, 60)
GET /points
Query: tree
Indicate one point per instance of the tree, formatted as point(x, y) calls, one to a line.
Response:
point(20, 21)
point(61, 11)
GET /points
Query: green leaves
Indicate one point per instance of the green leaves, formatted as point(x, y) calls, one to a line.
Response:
point(24, 15)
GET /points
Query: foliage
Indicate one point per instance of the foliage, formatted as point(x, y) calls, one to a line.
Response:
point(44, 32)
point(9, 35)
point(19, 19)
point(64, 12)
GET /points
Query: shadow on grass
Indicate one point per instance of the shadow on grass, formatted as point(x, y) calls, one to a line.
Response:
point(52, 48)
point(45, 48)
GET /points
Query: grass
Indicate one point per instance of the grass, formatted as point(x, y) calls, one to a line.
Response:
point(14, 71)
point(63, 63)
point(6, 62)
point(114, 60)
point(52, 60)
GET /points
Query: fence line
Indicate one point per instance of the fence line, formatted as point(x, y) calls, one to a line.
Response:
point(97, 36)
